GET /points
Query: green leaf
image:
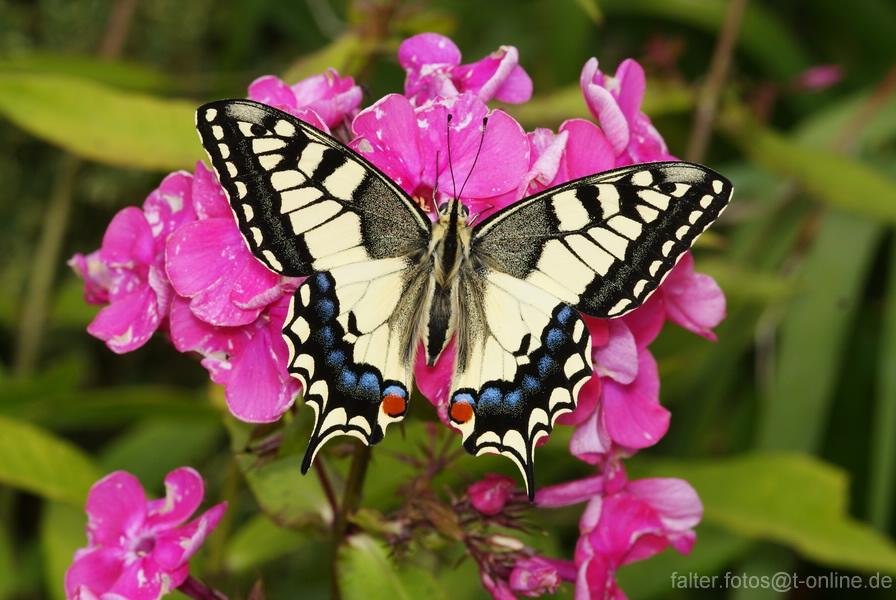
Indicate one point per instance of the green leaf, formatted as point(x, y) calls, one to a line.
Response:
point(830, 177)
point(366, 572)
point(592, 9)
point(814, 332)
point(61, 533)
point(289, 498)
point(120, 74)
point(762, 36)
point(101, 123)
point(41, 463)
point(714, 550)
point(883, 438)
point(340, 54)
point(153, 448)
point(790, 499)
point(8, 568)
point(261, 540)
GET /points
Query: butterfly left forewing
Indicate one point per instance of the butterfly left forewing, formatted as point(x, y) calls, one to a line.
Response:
point(522, 356)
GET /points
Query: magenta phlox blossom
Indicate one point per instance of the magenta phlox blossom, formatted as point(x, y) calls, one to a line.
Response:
point(490, 494)
point(324, 100)
point(536, 576)
point(139, 549)
point(411, 146)
point(432, 64)
point(128, 273)
point(231, 287)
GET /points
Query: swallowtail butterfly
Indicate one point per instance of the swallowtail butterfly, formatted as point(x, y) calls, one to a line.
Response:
point(382, 278)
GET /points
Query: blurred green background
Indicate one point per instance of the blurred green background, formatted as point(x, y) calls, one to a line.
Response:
point(786, 426)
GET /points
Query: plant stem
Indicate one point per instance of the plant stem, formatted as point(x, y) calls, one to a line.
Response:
point(708, 100)
point(351, 498)
point(327, 486)
point(194, 588)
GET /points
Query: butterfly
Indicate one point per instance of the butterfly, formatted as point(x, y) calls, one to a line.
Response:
point(383, 279)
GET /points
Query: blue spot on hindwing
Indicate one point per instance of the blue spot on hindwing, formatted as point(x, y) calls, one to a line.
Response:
point(564, 314)
point(529, 384)
point(326, 309)
point(464, 397)
point(336, 359)
point(326, 336)
point(369, 382)
point(546, 364)
point(513, 399)
point(323, 284)
point(554, 339)
point(490, 397)
point(348, 378)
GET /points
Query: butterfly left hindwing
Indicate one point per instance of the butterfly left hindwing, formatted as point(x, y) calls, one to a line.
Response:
point(307, 205)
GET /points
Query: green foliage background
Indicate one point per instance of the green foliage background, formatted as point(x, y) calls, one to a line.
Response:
point(786, 426)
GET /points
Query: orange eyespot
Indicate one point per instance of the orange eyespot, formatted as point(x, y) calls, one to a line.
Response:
point(461, 412)
point(394, 405)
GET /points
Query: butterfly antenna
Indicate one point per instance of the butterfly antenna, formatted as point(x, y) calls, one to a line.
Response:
point(435, 190)
point(450, 162)
point(475, 158)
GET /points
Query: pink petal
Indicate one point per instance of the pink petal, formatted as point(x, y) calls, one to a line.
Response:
point(175, 547)
point(128, 239)
point(535, 576)
point(693, 300)
point(586, 403)
point(545, 152)
point(632, 413)
point(272, 91)
point(184, 490)
point(209, 200)
point(204, 260)
point(590, 441)
point(93, 571)
point(96, 275)
point(604, 107)
point(332, 97)
point(116, 509)
point(624, 517)
point(258, 387)
point(435, 382)
point(189, 333)
point(143, 580)
point(587, 151)
point(646, 321)
point(255, 286)
point(387, 136)
point(128, 322)
point(427, 48)
point(631, 85)
point(504, 159)
point(618, 360)
point(571, 492)
point(496, 76)
point(676, 502)
point(170, 205)
point(490, 495)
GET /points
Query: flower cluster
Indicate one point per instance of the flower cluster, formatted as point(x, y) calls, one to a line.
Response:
point(137, 548)
point(178, 265)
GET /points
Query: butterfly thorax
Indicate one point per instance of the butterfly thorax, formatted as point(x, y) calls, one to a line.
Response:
point(449, 249)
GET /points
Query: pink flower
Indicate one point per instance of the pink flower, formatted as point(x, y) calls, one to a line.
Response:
point(538, 575)
point(127, 272)
point(490, 495)
point(616, 104)
point(634, 523)
point(693, 300)
point(819, 77)
point(208, 262)
point(139, 549)
point(325, 100)
point(432, 64)
point(249, 361)
point(411, 146)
